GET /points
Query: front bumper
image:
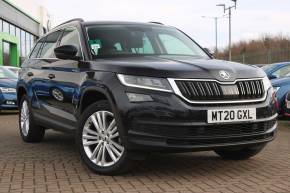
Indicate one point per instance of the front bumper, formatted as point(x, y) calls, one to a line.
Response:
point(171, 124)
point(201, 136)
point(8, 101)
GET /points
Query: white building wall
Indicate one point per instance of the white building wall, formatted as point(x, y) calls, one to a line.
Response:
point(34, 10)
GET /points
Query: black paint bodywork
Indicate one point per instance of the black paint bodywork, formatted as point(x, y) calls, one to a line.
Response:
point(163, 124)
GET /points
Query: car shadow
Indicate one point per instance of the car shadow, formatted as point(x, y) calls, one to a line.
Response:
point(160, 164)
point(10, 112)
point(192, 164)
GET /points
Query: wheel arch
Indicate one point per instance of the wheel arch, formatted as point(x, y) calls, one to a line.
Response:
point(93, 94)
point(21, 91)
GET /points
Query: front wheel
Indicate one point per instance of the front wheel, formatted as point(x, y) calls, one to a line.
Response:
point(240, 154)
point(99, 140)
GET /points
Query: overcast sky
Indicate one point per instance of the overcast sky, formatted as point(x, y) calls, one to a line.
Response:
point(251, 19)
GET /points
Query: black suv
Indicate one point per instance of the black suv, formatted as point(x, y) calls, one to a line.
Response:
point(129, 89)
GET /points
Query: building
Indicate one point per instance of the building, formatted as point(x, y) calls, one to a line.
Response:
point(21, 23)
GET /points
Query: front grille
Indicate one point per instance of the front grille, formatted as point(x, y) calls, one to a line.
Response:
point(217, 141)
point(212, 90)
point(232, 129)
point(207, 131)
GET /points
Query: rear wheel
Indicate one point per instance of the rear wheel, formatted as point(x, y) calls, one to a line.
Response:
point(29, 131)
point(240, 154)
point(100, 142)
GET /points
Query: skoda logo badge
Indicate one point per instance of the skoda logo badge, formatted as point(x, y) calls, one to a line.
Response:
point(224, 74)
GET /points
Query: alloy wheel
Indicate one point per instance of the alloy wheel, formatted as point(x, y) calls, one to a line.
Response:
point(101, 139)
point(24, 118)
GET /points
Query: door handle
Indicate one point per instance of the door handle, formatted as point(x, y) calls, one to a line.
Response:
point(29, 74)
point(51, 76)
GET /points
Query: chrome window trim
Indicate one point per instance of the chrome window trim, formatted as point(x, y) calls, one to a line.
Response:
point(266, 119)
point(58, 29)
point(43, 58)
point(177, 91)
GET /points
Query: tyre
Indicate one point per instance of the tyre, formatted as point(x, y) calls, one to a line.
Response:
point(240, 154)
point(29, 131)
point(99, 140)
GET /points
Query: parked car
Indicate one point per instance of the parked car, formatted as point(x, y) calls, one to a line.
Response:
point(13, 69)
point(281, 87)
point(280, 77)
point(8, 81)
point(277, 70)
point(129, 89)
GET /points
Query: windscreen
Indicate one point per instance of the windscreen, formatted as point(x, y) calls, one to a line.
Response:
point(7, 74)
point(268, 67)
point(134, 40)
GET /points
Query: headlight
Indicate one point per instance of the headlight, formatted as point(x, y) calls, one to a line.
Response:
point(145, 82)
point(7, 90)
point(267, 83)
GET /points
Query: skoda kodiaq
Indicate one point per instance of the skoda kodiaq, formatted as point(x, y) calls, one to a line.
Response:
point(127, 89)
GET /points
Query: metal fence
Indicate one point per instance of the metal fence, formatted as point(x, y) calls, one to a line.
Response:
point(263, 57)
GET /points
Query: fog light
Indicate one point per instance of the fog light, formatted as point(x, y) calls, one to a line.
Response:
point(10, 102)
point(134, 97)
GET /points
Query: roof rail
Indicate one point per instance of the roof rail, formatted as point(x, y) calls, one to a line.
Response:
point(75, 19)
point(155, 22)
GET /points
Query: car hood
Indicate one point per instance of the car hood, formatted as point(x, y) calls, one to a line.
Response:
point(11, 83)
point(177, 67)
point(280, 81)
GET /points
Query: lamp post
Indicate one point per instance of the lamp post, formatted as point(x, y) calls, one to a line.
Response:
point(229, 9)
point(216, 30)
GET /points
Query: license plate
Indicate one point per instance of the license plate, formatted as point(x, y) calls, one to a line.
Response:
point(231, 115)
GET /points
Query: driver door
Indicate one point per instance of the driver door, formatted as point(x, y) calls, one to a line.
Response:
point(64, 83)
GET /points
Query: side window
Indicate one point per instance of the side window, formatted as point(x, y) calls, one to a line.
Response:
point(174, 46)
point(71, 37)
point(47, 50)
point(36, 49)
point(283, 72)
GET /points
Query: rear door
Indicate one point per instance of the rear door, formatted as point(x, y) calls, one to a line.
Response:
point(40, 84)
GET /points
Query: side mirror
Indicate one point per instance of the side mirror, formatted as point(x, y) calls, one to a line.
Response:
point(209, 52)
point(66, 52)
point(272, 76)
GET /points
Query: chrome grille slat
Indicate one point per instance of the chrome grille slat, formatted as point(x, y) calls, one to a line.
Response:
point(259, 87)
point(248, 88)
point(253, 87)
point(217, 88)
point(193, 89)
point(201, 88)
point(242, 89)
point(208, 88)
